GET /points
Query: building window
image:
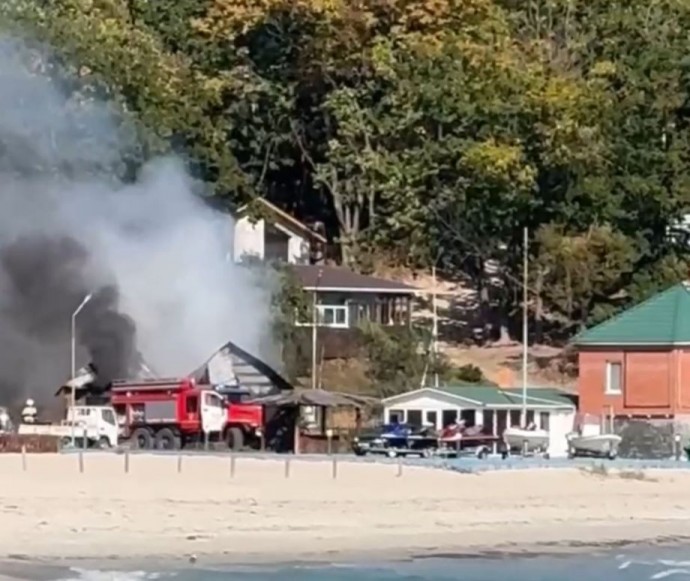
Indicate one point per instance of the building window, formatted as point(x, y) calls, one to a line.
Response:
point(414, 417)
point(614, 378)
point(544, 421)
point(449, 417)
point(469, 417)
point(336, 316)
point(396, 417)
point(431, 418)
point(515, 418)
point(332, 316)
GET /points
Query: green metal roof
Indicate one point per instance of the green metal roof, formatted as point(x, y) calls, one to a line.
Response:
point(552, 395)
point(484, 394)
point(663, 319)
point(489, 396)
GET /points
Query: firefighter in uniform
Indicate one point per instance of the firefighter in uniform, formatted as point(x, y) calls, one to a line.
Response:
point(29, 412)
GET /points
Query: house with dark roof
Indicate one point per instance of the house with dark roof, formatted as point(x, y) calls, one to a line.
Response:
point(492, 407)
point(637, 364)
point(345, 299)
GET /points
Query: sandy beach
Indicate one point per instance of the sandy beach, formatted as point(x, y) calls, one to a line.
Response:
point(53, 511)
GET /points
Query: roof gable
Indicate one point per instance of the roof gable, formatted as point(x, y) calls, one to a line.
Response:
point(663, 319)
point(289, 222)
point(489, 396)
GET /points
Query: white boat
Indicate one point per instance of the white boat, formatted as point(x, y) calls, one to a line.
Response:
point(601, 445)
point(530, 441)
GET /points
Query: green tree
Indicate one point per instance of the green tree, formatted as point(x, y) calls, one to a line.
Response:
point(290, 306)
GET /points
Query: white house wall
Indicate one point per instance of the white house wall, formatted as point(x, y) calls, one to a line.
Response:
point(425, 403)
point(561, 423)
point(298, 250)
point(249, 240)
point(424, 400)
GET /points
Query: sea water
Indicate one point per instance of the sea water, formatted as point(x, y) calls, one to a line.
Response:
point(629, 565)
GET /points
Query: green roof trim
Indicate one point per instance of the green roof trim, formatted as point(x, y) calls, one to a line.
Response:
point(492, 396)
point(661, 320)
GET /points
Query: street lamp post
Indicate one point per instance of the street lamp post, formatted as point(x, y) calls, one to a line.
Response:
point(73, 353)
point(314, 324)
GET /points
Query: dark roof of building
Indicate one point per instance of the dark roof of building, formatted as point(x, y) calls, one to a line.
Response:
point(662, 320)
point(276, 379)
point(83, 383)
point(286, 218)
point(336, 278)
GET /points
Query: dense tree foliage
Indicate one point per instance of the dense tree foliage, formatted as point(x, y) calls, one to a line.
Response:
point(421, 132)
point(396, 364)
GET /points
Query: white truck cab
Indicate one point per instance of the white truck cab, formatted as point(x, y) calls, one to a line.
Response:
point(99, 422)
point(96, 424)
point(213, 412)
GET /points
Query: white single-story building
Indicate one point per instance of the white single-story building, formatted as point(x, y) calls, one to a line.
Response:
point(492, 407)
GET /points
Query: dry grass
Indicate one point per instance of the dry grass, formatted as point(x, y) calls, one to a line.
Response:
point(636, 475)
point(602, 471)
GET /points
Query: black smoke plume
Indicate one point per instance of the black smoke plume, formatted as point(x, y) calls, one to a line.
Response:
point(46, 280)
point(82, 212)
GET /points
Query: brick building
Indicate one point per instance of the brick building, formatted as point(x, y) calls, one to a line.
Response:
point(634, 369)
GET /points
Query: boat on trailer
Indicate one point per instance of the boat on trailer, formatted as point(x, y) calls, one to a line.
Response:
point(454, 441)
point(530, 440)
point(395, 440)
point(591, 444)
point(457, 441)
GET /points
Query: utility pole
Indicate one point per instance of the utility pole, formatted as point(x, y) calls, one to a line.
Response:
point(525, 329)
point(73, 362)
point(435, 327)
point(314, 327)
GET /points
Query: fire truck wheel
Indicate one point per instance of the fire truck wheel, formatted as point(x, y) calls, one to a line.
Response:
point(166, 439)
point(142, 439)
point(235, 438)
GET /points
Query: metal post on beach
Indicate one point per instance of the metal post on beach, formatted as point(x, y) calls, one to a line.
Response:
point(232, 465)
point(329, 438)
point(84, 444)
point(179, 463)
point(24, 458)
point(126, 461)
point(400, 468)
point(335, 467)
point(287, 467)
point(73, 362)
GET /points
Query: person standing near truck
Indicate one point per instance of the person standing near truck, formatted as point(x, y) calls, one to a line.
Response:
point(29, 412)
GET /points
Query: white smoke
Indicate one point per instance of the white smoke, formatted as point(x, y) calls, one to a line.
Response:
point(160, 245)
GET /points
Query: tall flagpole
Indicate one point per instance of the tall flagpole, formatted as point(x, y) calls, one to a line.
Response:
point(525, 330)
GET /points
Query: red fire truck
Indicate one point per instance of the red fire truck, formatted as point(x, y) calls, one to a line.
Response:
point(173, 413)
